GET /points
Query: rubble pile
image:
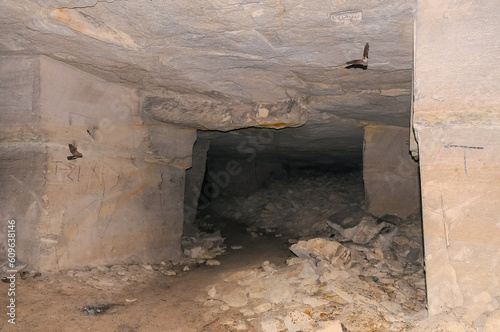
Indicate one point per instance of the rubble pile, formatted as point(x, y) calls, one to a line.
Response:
point(352, 270)
point(203, 248)
point(360, 285)
point(198, 250)
point(291, 206)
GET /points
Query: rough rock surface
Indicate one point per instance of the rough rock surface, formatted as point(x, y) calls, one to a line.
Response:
point(352, 269)
point(456, 120)
point(257, 50)
point(390, 174)
point(295, 206)
point(380, 290)
point(333, 285)
point(121, 201)
point(236, 53)
point(320, 249)
point(212, 112)
point(312, 204)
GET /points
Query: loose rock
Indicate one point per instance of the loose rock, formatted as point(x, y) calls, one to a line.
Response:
point(322, 249)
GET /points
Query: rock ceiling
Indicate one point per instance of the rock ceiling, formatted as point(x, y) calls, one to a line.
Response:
point(244, 52)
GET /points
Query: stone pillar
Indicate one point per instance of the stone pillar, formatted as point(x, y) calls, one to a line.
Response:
point(457, 125)
point(123, 201)
point(194, 182)
point(389, 173)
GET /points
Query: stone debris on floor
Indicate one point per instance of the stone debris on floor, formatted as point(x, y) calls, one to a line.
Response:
point(349, 271)
point(199, 250)
point(352, 270)
point(203, 248)
point(296, 206)
point(330, 286)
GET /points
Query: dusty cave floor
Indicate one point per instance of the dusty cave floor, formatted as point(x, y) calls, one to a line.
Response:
point(139, 297)
point(350, 272)
point(130, 298)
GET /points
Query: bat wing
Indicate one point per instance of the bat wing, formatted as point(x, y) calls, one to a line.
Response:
point(365, 51)
point(74, 151)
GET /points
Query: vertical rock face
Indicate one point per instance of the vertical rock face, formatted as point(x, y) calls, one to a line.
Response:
point(457, 123)
point(389, 172)
point(122, 201)
point(22, 155)
point(194, 182)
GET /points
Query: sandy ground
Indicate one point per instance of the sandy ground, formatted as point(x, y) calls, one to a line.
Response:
point(379, 291)
point(56, 301)
point(136, 298)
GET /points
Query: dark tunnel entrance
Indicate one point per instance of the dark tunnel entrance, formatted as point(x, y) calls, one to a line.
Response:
point(300, 211)
point(241, 162)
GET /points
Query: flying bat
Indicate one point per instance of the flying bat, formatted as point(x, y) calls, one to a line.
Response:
point(74, 152)
point(361, 62)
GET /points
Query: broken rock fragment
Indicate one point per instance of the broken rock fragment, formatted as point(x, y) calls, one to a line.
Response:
point(367, 230)
point(323, 249)
point(271, 325)
point(279, 290)
point(297, 321)
point(235, 298)
point(330, 326)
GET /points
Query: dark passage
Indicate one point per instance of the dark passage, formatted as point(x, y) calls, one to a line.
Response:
point(300, 232)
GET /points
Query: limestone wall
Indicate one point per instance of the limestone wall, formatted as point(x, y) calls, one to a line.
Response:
point(194, 182)
point(389, 173)
point(457, 121)
point(123, 201)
